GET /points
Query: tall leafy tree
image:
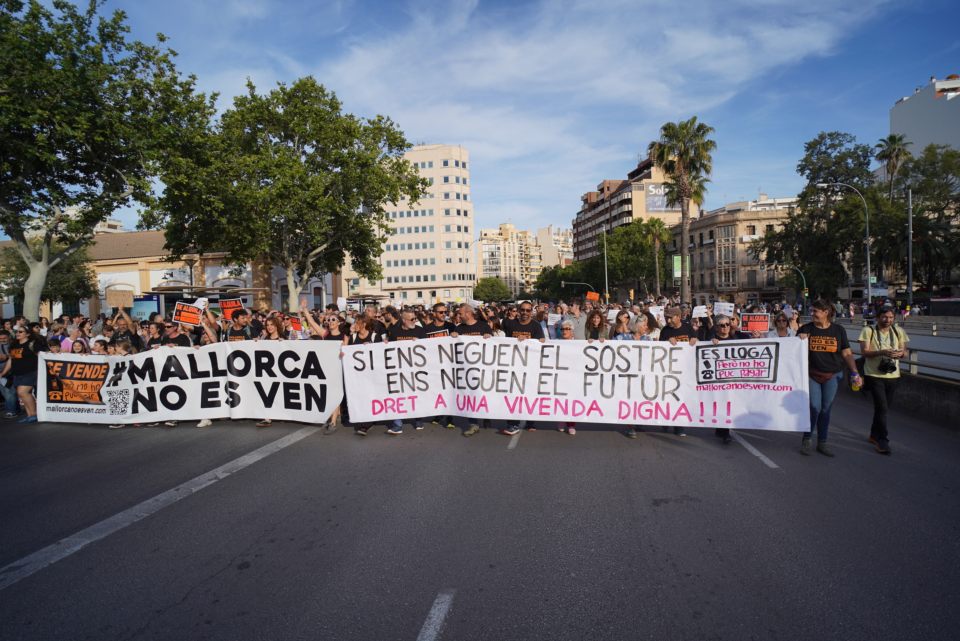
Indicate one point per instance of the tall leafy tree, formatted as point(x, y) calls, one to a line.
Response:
point(83, 112)
point(290, 178)
point(491, 289)
point(892, 152)
point(685, 154)
point(824, 234)
point(72, 280)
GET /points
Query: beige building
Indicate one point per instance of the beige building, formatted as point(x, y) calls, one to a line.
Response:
point(512, 255)
point(556, 246)
point(619, 202)
point(721, 264)
point(137, 261)
point(428, 256)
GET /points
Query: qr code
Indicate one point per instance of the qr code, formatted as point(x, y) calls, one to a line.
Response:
point(118, 402)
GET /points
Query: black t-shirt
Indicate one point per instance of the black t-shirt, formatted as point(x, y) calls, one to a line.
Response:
point(154, 342)
point(127, 336)
point(477, 329)
point(683, 334)
point(398, 333)
point(595, 333)
point(180, 340)
point(234, 334)
point(372, 337)
point(438, 331)
point(332, 337)
point(23, 357)
point(516, 329)
point(824, 346)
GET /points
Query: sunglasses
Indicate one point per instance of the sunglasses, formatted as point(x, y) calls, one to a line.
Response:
point(723, 324)
point(169, 326)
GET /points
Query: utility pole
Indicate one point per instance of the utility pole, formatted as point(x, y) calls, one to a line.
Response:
point(910, 248)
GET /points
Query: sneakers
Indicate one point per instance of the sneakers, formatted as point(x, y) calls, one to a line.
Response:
point(882, 446)
point(360, 431)
point(265, 423)
point(510, 430)
point(451, 425)
point(395, 431)
point(330, 427)
point(871, 439)
point(805, 446)
point(679, 431)
point(473, 429)
point(205, 423)
point(823, 449)
point(530, 428)
point(28, 419)
point(572, 431)
point(115, 426)
point(418, 426)
point(170, 423)
point(630, 433)
point(10, 414)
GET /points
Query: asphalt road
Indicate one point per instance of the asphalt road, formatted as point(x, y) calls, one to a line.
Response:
point(434, 536)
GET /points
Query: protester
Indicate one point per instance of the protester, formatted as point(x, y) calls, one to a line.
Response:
point(722, 331)
point(406, 330)
point(272, 328)
point(828, 352)
point(882, 348)
point(364, 332)
point(781, 327)
point(7, 389)
point(596, 327)
point(621, 329)
point(22, 367)
point(522, 329)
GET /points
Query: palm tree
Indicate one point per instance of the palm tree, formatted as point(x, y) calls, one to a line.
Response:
point(892, 152)
point(683, 153)
point(657, 233)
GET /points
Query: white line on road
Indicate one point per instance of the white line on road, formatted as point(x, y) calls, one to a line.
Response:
point(513, 441)
point(63, 548)
point(760, 455)
point(438, 614)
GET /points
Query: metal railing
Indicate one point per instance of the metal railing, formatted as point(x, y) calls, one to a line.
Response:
point(912, 363)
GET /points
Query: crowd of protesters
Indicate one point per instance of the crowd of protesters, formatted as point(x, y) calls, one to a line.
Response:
point(653, 320)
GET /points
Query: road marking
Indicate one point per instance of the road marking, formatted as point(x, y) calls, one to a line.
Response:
point(438, 614)
point(760, 455)
point(514, 440)
point(28, 565)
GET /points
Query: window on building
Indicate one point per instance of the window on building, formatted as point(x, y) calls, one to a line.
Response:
point(446, 195)
point(446, 212)
point(752, 278)
point(446, 163)
point(751, 230)
point(769, 228)
point(446, 179)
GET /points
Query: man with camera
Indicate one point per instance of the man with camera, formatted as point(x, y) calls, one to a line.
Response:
point(882, 348)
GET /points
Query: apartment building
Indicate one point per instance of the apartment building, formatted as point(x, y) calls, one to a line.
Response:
point(428, 255)
point(721, 264)
point(556, 246)
point(930, 116)
point(619, 202)
point(512, 255)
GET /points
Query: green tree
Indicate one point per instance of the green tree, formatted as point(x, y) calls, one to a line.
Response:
point(72, 280)
point(290, 178)
point(824, 234)
point(491, 289)
point(658, 233)
point(684, 153)
point(83, 112)
point(892, 152)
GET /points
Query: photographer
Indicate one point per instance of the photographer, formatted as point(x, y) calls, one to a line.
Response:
point(882, 348)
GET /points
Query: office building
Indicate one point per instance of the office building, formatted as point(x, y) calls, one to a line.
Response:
point(930, 116)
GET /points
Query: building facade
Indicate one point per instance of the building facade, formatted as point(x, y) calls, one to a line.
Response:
point(428, 255)
point(619, 202)
point(512, 255)
point(556, 246)
point(138, 261)
point(722, 267)
point(930, 116)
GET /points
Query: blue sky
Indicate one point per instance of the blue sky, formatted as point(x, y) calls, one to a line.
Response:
point(552, 97)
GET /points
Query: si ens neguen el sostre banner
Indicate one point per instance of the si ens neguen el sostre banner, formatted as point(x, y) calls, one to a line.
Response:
point(753, 384)
point(282, 380)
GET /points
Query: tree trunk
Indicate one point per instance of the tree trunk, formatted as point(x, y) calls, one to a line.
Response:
point(33, 288)
point(684, 249)
point(293, 290)
point(656, 264)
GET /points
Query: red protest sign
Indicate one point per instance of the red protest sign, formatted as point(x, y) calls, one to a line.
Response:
point(187, 314)
point(754, 322)
point(229, 305)
point(594, 296)
point(295, 324)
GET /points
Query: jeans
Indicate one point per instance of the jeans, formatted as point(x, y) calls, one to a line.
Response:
point(9, 398)
point(882, 390)
point(821, 400)
point(398, 424)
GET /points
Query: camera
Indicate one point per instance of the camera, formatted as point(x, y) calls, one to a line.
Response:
point(887, 366)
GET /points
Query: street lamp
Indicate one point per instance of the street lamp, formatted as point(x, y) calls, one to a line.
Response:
point(606, 280)
point(866, 215)
point(564, 283)
point(802, 278)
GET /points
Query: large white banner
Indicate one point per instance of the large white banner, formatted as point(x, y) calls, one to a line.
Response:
point(283, 380)
point(753, 384)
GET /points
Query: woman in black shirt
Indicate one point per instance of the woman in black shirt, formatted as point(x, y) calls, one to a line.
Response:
point(22, 366)
point(828, 351)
